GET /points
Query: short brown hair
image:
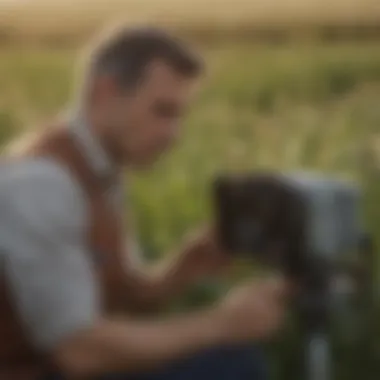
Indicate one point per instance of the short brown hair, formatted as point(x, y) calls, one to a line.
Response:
point(126, 52)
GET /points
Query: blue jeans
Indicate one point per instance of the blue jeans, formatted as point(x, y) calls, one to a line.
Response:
point(226, 363)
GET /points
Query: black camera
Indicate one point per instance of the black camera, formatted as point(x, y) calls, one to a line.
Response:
point(287, 220)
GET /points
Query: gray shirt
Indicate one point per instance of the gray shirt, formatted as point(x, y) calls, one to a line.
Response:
point(43, 243)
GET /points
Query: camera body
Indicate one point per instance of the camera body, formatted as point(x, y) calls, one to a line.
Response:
point(288, 220)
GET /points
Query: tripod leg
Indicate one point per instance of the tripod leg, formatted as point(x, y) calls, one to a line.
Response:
point(317, 357)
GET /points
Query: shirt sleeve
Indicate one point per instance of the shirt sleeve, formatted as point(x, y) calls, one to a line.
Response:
point(46, 265)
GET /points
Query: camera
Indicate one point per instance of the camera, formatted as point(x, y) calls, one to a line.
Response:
point(288, 219)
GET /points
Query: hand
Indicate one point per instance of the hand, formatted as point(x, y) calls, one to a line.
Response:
point(254, 310)
point(203, 256)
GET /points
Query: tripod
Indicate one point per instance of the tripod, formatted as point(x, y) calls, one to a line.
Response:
point(314, 306)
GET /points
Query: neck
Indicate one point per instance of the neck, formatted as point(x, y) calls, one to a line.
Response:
point(110, 147)
point(103, 133)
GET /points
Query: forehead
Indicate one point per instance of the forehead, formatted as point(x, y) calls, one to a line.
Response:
point(160, 79)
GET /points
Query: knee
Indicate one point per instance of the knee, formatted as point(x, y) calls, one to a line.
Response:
point(223, 363)
point(246, 359)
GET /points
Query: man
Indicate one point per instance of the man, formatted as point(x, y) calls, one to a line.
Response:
point(72, 298)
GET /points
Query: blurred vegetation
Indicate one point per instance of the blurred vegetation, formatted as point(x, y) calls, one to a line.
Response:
point(313, 107)
point(68, 22)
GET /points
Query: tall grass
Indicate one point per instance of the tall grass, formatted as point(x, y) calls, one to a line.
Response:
point(285, 108)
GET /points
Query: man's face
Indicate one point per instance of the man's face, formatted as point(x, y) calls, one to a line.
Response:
point(144, 123)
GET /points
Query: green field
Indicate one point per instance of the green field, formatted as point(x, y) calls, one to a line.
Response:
point(294, 107)
point(311, 107)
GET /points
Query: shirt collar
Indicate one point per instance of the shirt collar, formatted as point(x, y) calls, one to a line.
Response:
point(91, 147)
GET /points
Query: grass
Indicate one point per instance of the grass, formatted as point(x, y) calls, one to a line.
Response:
point(311, 107)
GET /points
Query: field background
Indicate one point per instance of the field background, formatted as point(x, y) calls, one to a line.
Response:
point(59, 22)
point(291, 85)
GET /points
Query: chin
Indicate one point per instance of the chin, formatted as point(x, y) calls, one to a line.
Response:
point(144, 164)
point(140, 166)
point(147, 161)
